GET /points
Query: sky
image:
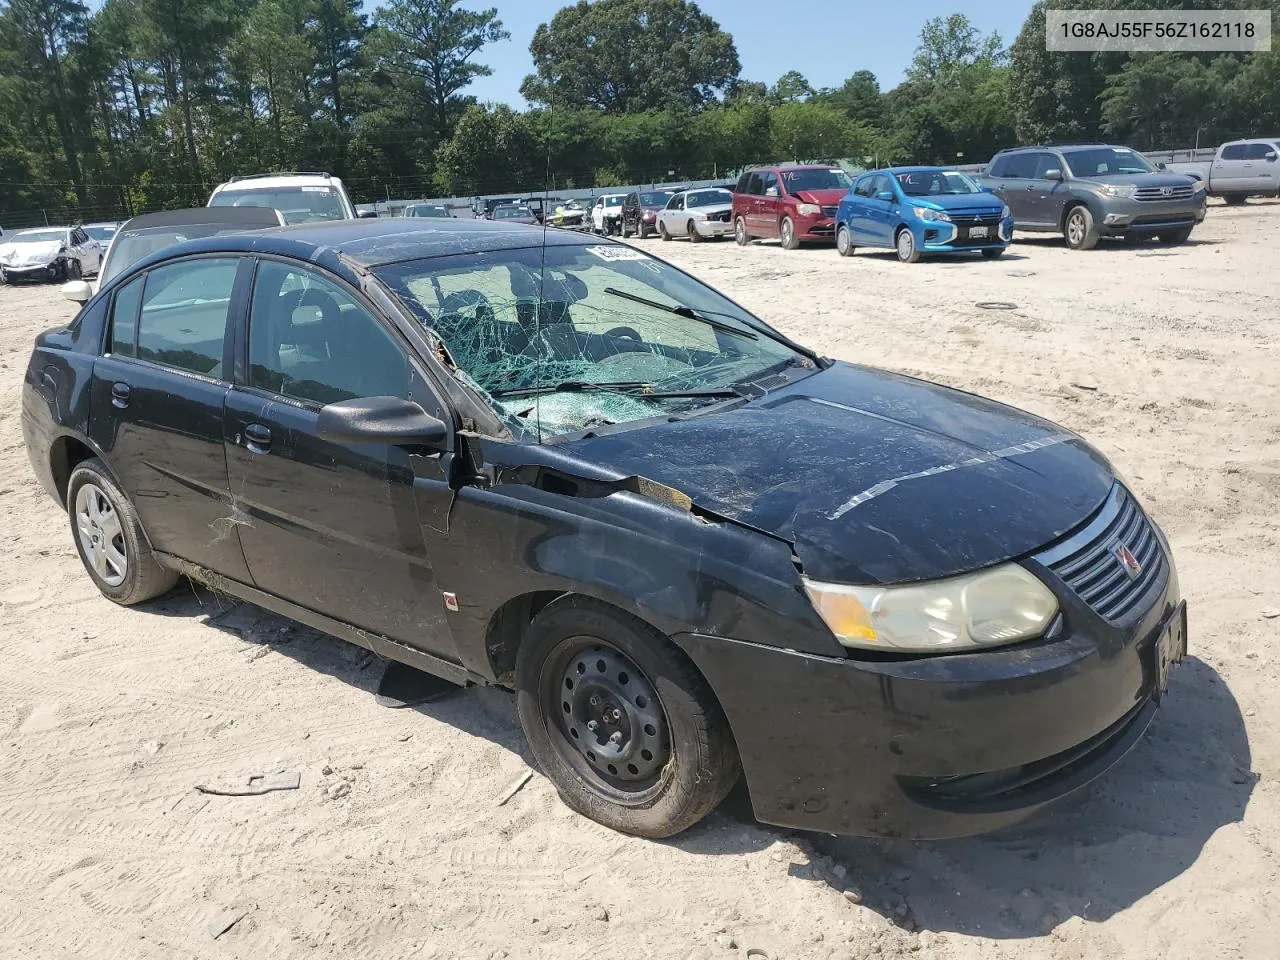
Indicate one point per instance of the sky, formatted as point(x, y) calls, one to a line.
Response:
point(826, 40)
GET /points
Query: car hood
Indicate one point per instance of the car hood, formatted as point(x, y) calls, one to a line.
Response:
point(961, 201)
point(873, 477)
point(1142, 179)
point(25, 253)
point(822, 197)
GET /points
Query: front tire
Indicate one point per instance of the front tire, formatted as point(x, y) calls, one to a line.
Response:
point(905, 246)
point(994, 254)
point(1080, 230)
point(1176, 236)
point(620, 721)
point(740, 232)
point(692, 229)
point(844, 241)
point(109, 538)
point(787, 234)
point(1235, 199)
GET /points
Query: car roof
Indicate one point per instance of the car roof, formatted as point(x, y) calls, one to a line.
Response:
point(18, 233)
point(349, 246)
point(276, 181)
point(231, 216)
point(917, 169)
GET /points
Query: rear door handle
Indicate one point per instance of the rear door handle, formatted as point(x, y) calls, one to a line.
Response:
point(257, 438)
point(120, 393)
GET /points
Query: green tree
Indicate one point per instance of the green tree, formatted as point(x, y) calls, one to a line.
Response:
point(628, 56)
point(490, 151)
point(816, 131)
point(431, 44)
point(791, 86)
point(859, 98)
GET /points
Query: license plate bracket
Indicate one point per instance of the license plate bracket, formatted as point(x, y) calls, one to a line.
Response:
point(978, 233)
point(1170, 647)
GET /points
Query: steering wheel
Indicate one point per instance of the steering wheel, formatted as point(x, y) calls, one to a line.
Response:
point(455, 302)
point(624, 333)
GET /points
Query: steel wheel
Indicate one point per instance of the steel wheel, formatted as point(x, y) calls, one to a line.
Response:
point(610, 725)
point(101, 535)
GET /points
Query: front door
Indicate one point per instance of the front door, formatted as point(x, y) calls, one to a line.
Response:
point(1259, 170)
point(1047, 198)
point(1018, 187)
point(346, 530)
point(156, 407)
point(672, 215)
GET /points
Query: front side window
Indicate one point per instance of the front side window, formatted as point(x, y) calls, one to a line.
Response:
point(769, 183)
point(932, 183)
point(183, 322)
point(864, 187)
point(296, 204)
point(676, 202)
point(1103, 161)
point(311, 340)
point(607, 335)
point(1258, 151)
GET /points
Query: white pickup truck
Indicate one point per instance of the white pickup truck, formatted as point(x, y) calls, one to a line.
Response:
point(1236, 170)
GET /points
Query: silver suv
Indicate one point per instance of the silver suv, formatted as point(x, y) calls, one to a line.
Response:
point(300, 197)
point(1088, 191)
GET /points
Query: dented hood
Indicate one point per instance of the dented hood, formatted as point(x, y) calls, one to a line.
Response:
point(873, 477)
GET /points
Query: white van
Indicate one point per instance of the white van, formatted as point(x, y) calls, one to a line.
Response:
point(300, 197)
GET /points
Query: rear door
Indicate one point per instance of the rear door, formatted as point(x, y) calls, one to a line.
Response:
point(156, 406)
point(767, 205)
point(342, 529)
point(1047, 199)
point(1228, 174)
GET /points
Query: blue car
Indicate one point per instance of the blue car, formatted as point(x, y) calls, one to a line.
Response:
point(919, 210)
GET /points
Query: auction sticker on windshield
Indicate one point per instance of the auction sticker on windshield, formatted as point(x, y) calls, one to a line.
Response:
point(615, 253)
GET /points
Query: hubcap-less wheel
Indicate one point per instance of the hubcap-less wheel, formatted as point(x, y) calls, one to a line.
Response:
point(1075, 229)
point(610, 725)
point(101, 535)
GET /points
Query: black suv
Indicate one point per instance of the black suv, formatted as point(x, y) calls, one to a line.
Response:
point(1088, 191)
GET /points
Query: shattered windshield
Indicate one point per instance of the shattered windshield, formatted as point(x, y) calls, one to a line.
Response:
point(609, 335)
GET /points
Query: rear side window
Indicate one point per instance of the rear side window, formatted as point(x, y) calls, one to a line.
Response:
point(1021, 166)
point(999, 167)
point(183, 323)
point(124, 317)
point(310, 340)
point(1258, 151)
point(1234, 151)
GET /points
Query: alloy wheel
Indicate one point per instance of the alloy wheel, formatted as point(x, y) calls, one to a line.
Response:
point(1075, 229)
point(101, 536)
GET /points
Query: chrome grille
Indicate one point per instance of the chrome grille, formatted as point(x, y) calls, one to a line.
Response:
point(1164, 193)
point(975, 219)
point(1088, 564)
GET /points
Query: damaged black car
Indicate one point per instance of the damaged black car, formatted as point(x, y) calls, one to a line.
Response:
point(695, 549)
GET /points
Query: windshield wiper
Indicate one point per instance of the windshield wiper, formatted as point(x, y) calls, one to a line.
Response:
point(637, 388)
point(680, 310)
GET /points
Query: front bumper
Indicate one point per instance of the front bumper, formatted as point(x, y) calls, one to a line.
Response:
point(32, 271)
point(816, 227)
point(1121, 216)
point(934, 236)
point(940, 746)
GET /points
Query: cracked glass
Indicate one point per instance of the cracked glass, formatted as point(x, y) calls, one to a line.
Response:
point(567, 338)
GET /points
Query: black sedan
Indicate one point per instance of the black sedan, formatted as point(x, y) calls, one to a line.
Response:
point(694, 548)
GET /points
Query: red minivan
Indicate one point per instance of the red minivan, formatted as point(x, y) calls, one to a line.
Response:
point(792, 203)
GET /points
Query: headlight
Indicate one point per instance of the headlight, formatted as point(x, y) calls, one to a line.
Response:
point(808, 209)
point(989, 608)
point(1005, 212)
point(928, 213)
point(1198, 187)
point(1114, 190)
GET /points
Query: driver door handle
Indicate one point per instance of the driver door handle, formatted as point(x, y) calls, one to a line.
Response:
point(257, 438)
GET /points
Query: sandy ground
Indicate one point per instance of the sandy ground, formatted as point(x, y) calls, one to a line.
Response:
point(1168, 359)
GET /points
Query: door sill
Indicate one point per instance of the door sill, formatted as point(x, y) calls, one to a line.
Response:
point(373, 642)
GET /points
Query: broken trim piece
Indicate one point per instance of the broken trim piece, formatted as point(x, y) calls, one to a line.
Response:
point(884, 486)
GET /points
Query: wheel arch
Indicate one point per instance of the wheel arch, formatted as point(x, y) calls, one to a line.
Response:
point(1070, 205)
point(67, 452)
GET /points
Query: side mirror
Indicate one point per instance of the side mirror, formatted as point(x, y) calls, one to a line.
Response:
point(388, 420)
point(77, 291)
point(1054, 174)
point(886, 195)
point(368, 215)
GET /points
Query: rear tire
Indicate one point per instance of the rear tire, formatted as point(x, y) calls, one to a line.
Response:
point(109, 538)
point(1080, 231)
point(787, 234)
point(662, 231)
point(642, 230)
point(1176, 236)
point(844, 241)
point(740, 232)
point(670, 759)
